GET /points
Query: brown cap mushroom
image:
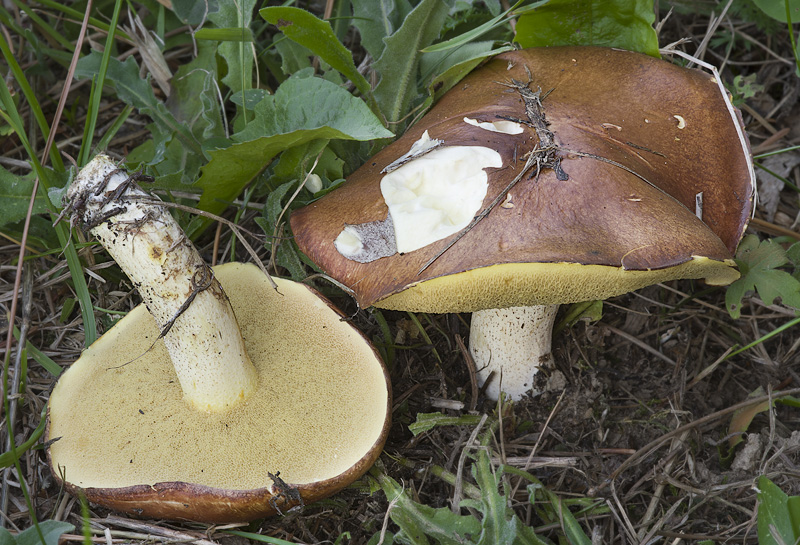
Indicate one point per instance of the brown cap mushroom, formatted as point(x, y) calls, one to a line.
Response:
point(601, 158)
point(233, 416)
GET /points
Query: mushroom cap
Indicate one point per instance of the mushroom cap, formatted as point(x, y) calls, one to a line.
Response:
point(608, 229)
point(128, 441)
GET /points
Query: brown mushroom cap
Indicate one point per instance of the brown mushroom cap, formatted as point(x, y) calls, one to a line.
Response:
point(606, 230)
point(129, 441)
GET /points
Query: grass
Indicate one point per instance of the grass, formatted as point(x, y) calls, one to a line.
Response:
point(633, 450)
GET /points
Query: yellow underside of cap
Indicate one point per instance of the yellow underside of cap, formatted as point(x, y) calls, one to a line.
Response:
point(321, 403)
point(526, 284)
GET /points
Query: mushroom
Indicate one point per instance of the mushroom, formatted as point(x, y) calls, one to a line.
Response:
point(587, 164)
point(229, 400)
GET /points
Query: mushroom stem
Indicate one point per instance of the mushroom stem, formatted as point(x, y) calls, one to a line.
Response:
point(190, 308)
point(512, 343)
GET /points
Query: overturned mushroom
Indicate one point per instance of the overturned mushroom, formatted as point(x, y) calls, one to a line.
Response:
point(258, 399)
point(593, 196)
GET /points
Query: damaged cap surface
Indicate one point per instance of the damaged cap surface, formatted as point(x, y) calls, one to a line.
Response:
point(625, 214)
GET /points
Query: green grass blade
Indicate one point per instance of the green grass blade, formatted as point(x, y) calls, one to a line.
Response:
point(40, 357)
point(11, 115)
point(7, 458)
point(115, 127)
point(260, 538)
point(473, 34)
point(44, 25)
point(95, 94)
point(27, 91)
point(78, 16)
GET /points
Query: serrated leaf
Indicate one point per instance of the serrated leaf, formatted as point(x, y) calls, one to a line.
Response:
point(294, 57)
point(758, 264)
point(195, 96)
point(626, 24)
point(399, 62)
point(444, 69)
point(773, 515)
point(473, 34)
point(777, 9)
point(428, 421)
point(15, 195)
point(136, 91)
point(238, 55)
point(318, 36)
point(376, 20)
point(301, 110)
point(192, 12)
point(417, 522)
point(499, 523)
point(51, 531)
point(793, 254)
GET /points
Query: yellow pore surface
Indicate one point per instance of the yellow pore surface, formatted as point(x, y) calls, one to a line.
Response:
point(528, 284)
point(320, 406)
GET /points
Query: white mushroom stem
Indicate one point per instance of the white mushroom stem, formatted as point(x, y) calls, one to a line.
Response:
point(177, 286)
point(511, 343)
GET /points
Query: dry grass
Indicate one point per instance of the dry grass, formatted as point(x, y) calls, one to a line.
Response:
point(643, 397)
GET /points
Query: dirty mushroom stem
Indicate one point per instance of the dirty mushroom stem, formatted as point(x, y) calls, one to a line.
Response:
point(510, 345)
point(192, 312)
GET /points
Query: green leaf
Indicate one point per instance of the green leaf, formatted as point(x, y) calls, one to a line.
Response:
point(238, 55)
point(626, 24)
point(51, 531)
point(318, 36)
point(6, 538)
point(15, 196)
point(376, 20)
point(133, 90)
point(428, 421)
point(450, 67)
point(758, 264)
point(399, 62)
point(774, 519)
point(589, 311)
point(777, 9)
point(475, 33)
point(302, 109)
point(294, 57)
point(418, 522)
point(191, 12)
point(225, 34)
point(195, 95)
point(499, 523)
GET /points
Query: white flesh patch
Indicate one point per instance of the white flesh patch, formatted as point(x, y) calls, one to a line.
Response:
point(505, 127)
point(437, 195)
